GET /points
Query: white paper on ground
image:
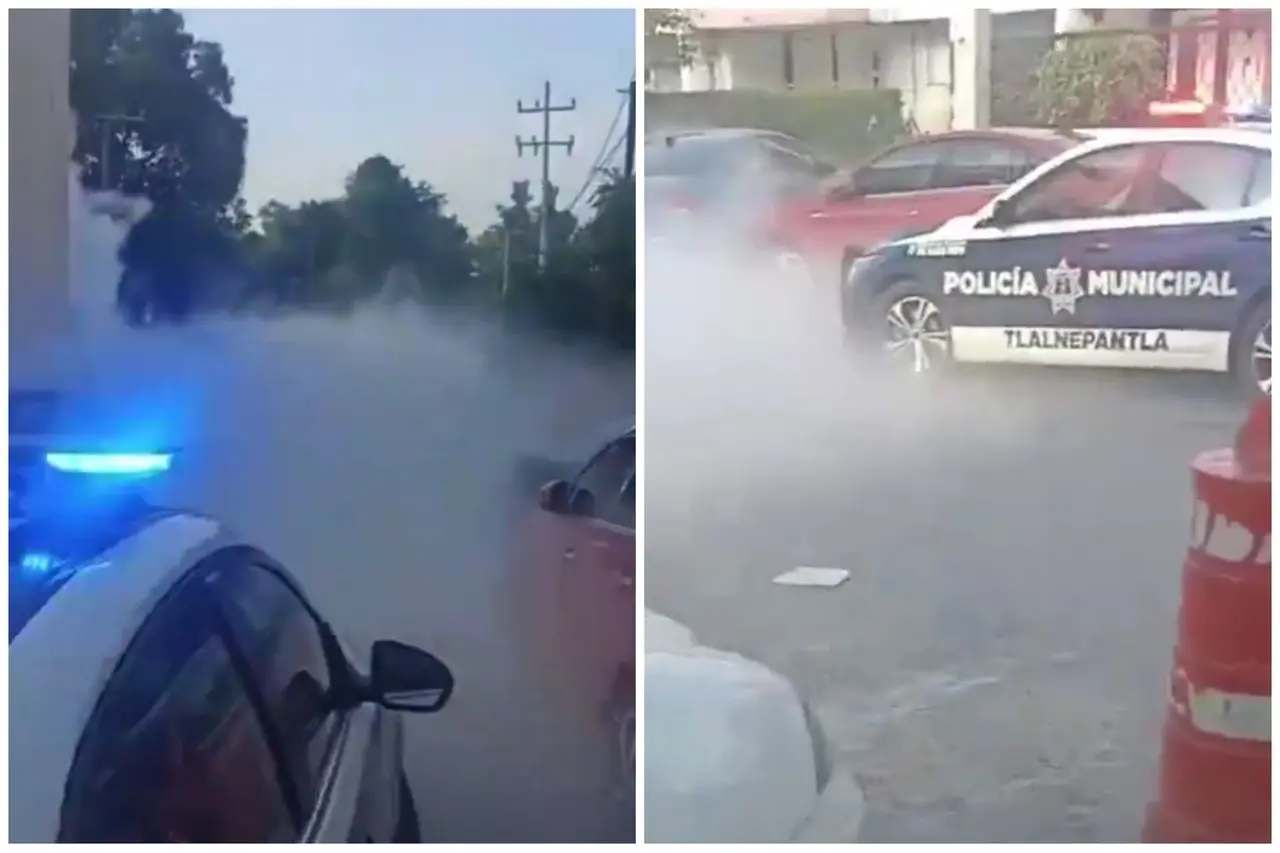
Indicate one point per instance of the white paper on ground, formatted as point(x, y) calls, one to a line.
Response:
point(812, 576)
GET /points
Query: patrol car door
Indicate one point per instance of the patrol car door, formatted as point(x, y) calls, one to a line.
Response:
point(1102, 261)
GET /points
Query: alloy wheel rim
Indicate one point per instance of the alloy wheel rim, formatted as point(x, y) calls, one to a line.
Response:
point(917, 334)
point(1262, 359)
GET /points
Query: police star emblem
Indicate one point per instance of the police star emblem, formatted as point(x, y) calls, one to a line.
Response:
point(1062, 287)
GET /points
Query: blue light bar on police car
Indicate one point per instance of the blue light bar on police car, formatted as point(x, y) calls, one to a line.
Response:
point(37, 562)
point(112, 464)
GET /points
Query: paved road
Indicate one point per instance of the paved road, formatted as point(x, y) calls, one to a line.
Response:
point(995, 666)
point(374, 458)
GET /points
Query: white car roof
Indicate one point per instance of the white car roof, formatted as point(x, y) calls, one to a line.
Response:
point(60, 662)
point(1102, 137)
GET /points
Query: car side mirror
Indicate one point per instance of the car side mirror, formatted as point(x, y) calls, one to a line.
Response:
point(406, 678)
point(554, 497)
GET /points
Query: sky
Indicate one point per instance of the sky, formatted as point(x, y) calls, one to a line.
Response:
point(433, 90)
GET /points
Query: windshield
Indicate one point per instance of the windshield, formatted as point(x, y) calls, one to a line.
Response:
point(689, 157)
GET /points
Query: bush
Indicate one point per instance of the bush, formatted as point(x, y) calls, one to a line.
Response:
point(1096, 80)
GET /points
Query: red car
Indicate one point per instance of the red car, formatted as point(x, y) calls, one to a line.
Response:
point(913, 186)
point(577, 602)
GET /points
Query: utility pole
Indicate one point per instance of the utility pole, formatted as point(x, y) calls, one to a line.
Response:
point(544, 145)
point(630, 92)
point(108, 123)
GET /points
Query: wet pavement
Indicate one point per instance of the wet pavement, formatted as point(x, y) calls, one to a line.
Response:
point(995, 666)
point(375, 460)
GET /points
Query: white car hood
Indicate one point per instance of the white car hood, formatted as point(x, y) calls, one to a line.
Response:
point(728, 754)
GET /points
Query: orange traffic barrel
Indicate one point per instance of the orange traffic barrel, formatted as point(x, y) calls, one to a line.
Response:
point(1215, 762)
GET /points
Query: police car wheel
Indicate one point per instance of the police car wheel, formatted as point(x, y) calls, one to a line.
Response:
point(917, 337)
point(1252, 362)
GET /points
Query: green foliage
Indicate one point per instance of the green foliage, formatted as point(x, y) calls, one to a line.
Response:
point(335, 252)
point(1099, 80)
point(183, 144)
point(663, 21)
point(588, 285)
point(848, 124)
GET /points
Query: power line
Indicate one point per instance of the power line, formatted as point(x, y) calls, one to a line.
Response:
point(599, 159)
point(608, 158)
point(543, 145)
point(604, 163)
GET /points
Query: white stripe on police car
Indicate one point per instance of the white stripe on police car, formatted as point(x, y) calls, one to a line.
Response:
point(1145, 349)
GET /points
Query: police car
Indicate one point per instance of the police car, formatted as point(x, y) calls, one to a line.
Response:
point(1146, 248)
point(170, 682)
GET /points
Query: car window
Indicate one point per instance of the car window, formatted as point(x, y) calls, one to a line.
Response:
point(1260, 185)
point(1101, 183)
point(980, 163)
point(606, 477)
point(175, 751)
point(283, 647)
point(813, 162)
point(906, 169)
point(684, 158)
point(1203, 176)
point(787, 172)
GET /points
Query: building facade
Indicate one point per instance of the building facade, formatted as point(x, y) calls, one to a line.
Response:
point(946, 67)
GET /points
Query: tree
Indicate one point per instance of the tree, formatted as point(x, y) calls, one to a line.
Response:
point(676, 23)
point(516, 233)
point(385, 231)
point(1097, 80)
point(609, 245)
point(395, 222)
point(665, 21)
point(512, 240)
point(588, 285)
point(183, 146)
point(152, 103)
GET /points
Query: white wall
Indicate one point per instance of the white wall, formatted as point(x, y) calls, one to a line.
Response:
point(915, 54)
point(41, 131)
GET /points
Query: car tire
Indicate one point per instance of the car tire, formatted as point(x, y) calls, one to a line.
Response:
point(408, 829)
point(1251, 351)
point(910, 330)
